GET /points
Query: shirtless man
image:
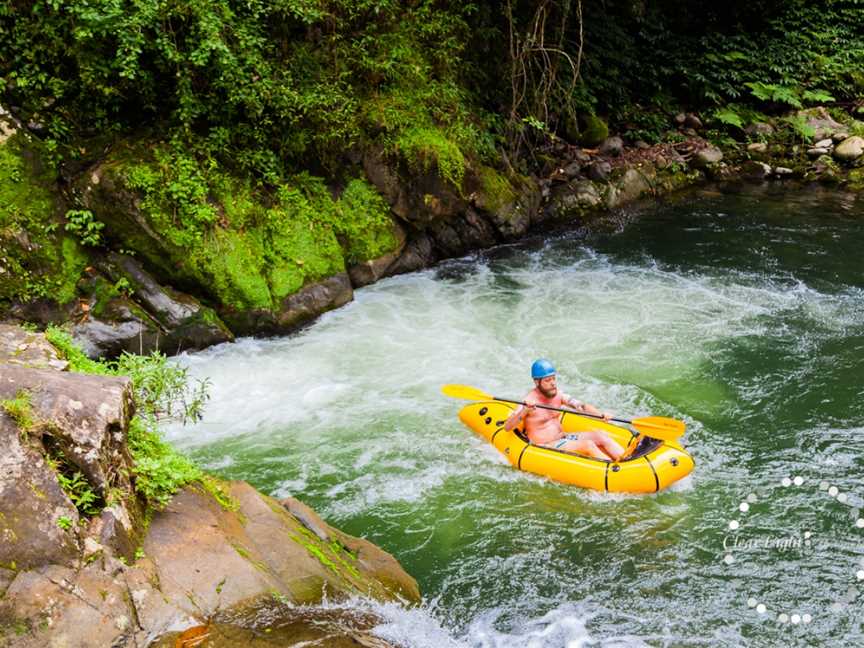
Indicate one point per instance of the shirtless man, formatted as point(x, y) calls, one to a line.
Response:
point(543, 427)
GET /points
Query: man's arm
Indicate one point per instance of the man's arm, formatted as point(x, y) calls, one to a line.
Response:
point(516, 417)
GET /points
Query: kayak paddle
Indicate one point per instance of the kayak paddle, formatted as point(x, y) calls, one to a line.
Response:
point(656, 427)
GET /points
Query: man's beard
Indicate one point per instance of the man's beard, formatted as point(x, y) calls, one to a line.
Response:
point(548, 393)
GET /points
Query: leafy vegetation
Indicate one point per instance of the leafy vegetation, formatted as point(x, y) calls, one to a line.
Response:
point(163, 391)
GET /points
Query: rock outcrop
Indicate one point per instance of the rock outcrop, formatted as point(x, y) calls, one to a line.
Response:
point(75, 576)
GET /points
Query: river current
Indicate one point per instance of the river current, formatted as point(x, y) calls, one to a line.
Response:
point(740, 312)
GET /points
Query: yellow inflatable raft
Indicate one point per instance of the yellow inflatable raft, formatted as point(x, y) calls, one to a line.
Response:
point(654, 464)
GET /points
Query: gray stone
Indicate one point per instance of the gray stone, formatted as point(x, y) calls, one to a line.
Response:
point(632, 185)
point(839, 137)
point(690, 131)
point(692, 121)
point(32, 505)
point(759, 129)
point(823, 125)
point(612, 146)
point(599, 171)
point(679, 119)
point(706, 157)
point(755, 170)
point(87, 416)
point(586, 194)
point(571, 170)
point(757, 147)
point(783, 171)
point(825, 143)
point(850, 149)
point(314, 299)
point(816, 152)
point(642, 145)
point(28, 349)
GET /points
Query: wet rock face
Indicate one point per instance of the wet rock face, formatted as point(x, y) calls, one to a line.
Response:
point(33, 508)
point(78, 422)
point(152, 317)
point(27, 349)
point(208, 569)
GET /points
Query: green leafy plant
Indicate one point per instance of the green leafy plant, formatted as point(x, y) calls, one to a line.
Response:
point(78, 489)
point(163, 391)
point(83, 223)
point(64, 522)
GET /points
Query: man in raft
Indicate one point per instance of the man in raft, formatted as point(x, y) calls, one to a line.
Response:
point(543, 427)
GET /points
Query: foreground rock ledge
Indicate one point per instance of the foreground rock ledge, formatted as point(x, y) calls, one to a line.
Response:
point(205, 566)
point(201, 562)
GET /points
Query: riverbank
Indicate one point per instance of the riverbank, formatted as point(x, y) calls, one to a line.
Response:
point(124, 275)
point(96, 552)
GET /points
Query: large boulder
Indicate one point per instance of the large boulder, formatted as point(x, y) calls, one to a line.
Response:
point(240, 248)
point(204, 563)
point(142, 316)
point(850, 149)
point(28, 349)
point(821, 122)
point(65, 424)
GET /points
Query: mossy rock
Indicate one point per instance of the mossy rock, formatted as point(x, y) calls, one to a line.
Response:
point(45, 262)
point(241, 246)
point(594, 132)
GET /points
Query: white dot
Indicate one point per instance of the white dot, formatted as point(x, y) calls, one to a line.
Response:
point(734, 524)
point(807, 534)
point(806, 618)
point(823, 485)
point(761, 609)
point(743, 507)
point(783, 618)
point(751, 602)
point(833, 491)
point(751, 498)
point(786, 481)
point(859, 574)
point(795, 618)
point(729, 559)
point(842, 498)
point(859, 523)
point(798, 480)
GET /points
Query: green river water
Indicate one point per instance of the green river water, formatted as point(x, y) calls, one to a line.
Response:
point(740, 312)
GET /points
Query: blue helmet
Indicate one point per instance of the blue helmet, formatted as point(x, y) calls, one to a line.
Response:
point(542, 368)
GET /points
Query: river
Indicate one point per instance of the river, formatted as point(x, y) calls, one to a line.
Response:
point(740, 312)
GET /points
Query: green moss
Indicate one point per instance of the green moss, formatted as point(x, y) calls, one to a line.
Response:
point(496, 188)
point(363, 223)
point(246, 555)
point(595, 131)
point(44, 262)
point(427, 148)
point(230, 265)
point(73, 354)
point(218, 490)
point(20, 409)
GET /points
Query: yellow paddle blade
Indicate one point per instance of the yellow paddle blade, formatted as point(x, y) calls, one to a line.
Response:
point(659, 427)
point(465, 392)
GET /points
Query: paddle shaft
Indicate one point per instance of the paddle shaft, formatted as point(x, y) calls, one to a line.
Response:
point(563, 409)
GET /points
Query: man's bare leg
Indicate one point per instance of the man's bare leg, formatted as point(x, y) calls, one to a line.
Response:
point(597, 445)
